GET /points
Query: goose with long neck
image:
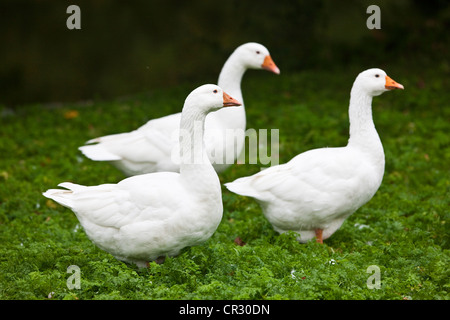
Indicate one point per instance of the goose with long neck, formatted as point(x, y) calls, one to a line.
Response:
point(150, 216)
point(247, 56)
point(317, 190)
point(195, 167)
point(150, 147)
point(220, 124)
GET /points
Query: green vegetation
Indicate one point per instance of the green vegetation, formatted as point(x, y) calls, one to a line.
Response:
point(403, 230)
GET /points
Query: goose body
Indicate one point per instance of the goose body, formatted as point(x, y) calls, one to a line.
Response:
point(151, 147)
point(154, 215)
point(317, 190)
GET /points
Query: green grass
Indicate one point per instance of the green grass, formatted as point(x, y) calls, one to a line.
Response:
point(403, 230)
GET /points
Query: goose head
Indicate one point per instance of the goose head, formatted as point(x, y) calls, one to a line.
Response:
point(209, 97)
point(255, 56)
point(375, 81)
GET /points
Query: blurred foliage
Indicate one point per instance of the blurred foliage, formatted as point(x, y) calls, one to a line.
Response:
point(128, 47)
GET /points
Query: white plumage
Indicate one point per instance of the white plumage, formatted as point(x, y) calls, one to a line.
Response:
point(150, 147)
point(148, 216)
point(317, 190)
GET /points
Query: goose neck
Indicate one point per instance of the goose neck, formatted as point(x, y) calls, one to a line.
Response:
point(360, 113)
point(230, 81)
point(192, 127)
point(362, 128)
point(231, 76)
point(195, 166)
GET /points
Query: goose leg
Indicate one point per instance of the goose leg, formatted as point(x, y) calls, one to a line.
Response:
point(319, 237)
point(160, 259)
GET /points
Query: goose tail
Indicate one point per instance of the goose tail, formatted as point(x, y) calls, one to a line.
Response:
point(241, 186)
point(98, 152)
point(63, 196)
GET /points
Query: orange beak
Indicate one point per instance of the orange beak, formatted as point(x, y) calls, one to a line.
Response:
point(229, 101)
point(391, 84)
point(269, 65)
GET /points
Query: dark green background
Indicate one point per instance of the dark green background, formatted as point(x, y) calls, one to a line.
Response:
point(125, 47)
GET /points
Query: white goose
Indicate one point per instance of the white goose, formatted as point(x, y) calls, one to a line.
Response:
point(145, 217)
point(150, 148)
point(317, 190)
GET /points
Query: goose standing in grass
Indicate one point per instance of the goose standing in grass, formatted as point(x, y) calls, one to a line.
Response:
point(146, 217)
point(150, 147)
point(317, 190)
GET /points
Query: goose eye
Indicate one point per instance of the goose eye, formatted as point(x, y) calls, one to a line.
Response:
point(258, 52)
point(377, 76)
point(215, 91)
